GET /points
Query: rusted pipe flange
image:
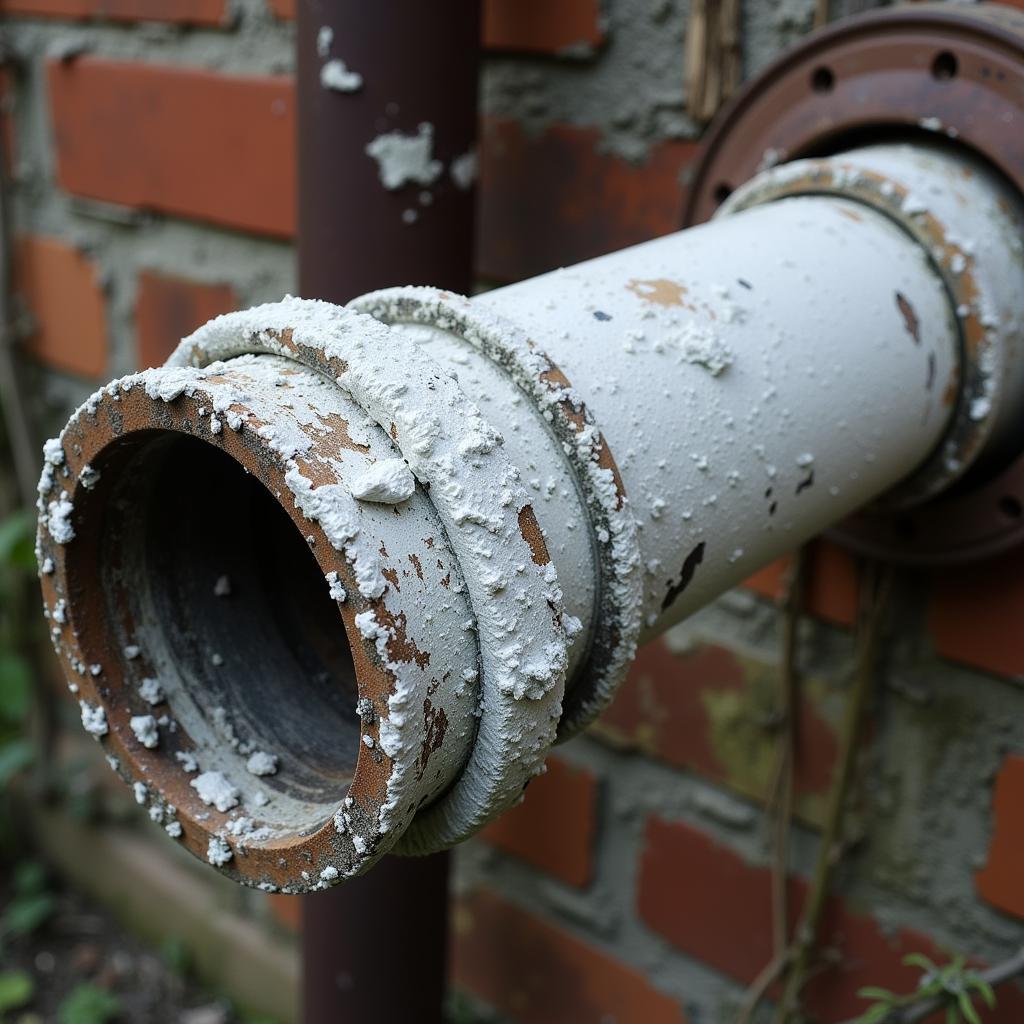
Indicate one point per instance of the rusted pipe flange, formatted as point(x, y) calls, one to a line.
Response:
point(617, 621)
point(923, 68)
point(522, 630)
point(949, 73)
point(210, 660)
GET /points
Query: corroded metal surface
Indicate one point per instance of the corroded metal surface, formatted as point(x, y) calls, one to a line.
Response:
point(312, 753)
point(905, 72)
point(612, 623)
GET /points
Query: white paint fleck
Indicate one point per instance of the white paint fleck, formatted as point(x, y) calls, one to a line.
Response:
point(187, 761)
point(406, 158)
point(262, 763)
point(94, 719)
point(131, 652)
point(215, 790)
point(324, 38)
point(334, 75)
point(141, 793)
point(89, 477)
point(464, 169)
point(218, 853)
point(222, 588)
point(388, 482)
point(58, 520)
point(146, 731)
point(151, 691)
point(337, 591)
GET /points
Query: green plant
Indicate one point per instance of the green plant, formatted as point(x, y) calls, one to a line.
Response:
point(88, 1004)
point(16, 990)
point(30, 904)
point(17, 562)
point(955, 984)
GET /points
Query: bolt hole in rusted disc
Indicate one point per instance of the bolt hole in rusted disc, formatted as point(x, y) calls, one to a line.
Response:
point(887, 75)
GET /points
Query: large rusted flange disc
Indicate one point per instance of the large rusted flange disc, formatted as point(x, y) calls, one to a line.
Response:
point(924, 70)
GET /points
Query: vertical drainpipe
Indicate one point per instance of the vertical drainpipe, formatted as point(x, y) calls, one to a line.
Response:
point(375, 949)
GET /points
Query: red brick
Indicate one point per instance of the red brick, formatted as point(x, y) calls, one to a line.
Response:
point(169, 308)
point(529, 26)
point(287, 910)
point(831, 588)
point(538, 974)
point(184, 12)
point(1001, 881)
point(554, 827)
point(975, 614)
point(198, 144)
point(715, 906)
point(704, 710)
point(61, 289)
point(540, 26)
point(554, 199)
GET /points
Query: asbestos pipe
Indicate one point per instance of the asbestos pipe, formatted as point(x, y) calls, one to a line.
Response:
point(417, 64)
point(457, 518)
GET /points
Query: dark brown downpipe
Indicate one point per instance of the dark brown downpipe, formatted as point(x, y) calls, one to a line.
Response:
point(375, 949)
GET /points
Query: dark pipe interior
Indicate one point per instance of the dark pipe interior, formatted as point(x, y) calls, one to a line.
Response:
point(182, 515)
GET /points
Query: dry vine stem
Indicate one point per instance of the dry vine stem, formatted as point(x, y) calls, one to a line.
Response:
point(793, 960)
point(876, 586)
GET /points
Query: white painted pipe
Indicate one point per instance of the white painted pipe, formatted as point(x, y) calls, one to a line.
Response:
point(597, 452)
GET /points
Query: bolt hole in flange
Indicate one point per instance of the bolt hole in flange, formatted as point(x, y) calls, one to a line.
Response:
point(945, 66)
point(1011, 507)
point(722, 192)
point(823, 80)
point(212, 590)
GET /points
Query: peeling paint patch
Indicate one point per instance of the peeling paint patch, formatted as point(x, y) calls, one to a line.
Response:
point(402, 159)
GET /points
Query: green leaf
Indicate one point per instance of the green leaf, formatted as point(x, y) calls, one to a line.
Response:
point(88, 1004)
point(13, 757)
point(16, 544)
point(875, 1015)
point(15, 687)
point(967, 1008)
point(870, 992)
point(979, 984)
point(16, 989)
point(26, 913)
point(29, 878)
point(921, 961)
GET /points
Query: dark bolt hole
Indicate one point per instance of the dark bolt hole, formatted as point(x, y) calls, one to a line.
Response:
point(1010, 507)
point(722, 192)
point(823, 80)
point(905, 529)
point(945, 66)
point(202, 568)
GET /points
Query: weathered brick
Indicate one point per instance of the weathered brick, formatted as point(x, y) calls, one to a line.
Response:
point(183, 12)
point(539, 26)
point(975, 614)
point(287, 910)
point(1001, 881)
point(182, 141)
point(554, 827)
point(705, 710)
point(554, 199)
point(538, 974)
point(168, 308)
point(713, 905)
point(61, 289)
point(528, 26)
point(831, 583)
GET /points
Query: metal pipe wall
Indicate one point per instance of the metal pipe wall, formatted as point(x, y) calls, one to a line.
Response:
point(505, 495)
point(418, 64)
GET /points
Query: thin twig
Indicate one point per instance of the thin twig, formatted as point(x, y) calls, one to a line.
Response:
point(875, 598)
point(996, 975)
point(780, 795)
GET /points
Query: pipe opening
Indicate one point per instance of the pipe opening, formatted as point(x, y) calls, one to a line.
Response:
point(204, 571)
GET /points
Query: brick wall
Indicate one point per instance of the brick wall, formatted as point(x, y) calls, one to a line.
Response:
point(151, 146)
